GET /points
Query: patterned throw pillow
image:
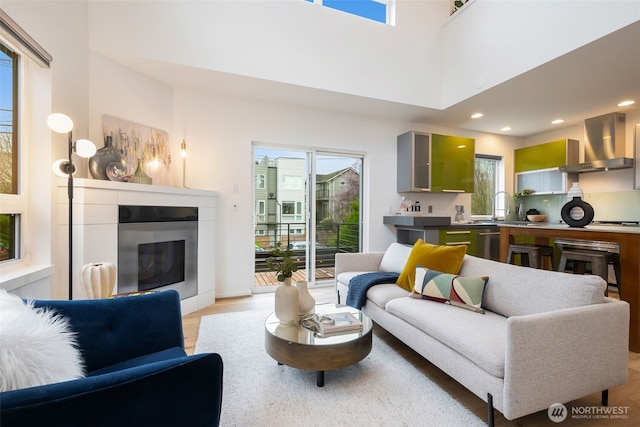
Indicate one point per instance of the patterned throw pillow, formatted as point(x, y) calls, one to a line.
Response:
point(459, 291)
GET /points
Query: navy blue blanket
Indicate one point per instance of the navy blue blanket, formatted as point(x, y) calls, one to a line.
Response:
point(360, 284)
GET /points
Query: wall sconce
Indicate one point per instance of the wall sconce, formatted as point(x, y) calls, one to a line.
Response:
point(61, 123)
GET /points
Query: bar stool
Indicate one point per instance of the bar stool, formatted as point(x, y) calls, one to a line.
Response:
point(530, 255)
point(599, 261)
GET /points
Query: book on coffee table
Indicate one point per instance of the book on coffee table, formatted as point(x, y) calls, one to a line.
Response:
point(337, 323)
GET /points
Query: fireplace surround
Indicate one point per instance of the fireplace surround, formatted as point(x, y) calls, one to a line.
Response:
point(158, 249)
point(96, 222)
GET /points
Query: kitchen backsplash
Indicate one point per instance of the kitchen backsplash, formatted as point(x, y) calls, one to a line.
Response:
point(614, 206)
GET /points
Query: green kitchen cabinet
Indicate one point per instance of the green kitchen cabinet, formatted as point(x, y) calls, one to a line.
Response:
point(453, 159)
point(537, 167)
point(544, 156)
point(456, 237)
point(435, 163)
point(483, 242)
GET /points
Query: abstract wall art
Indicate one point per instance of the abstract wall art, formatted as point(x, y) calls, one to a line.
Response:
point(136, 141)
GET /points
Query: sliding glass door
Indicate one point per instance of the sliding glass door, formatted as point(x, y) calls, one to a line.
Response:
point(308, 201)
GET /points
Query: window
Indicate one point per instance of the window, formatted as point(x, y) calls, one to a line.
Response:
point(486, 184)
point(8, 120)
point(9, 221)
point(261, 181)
point(9, 226)
point(292, 211)
point(291, 182)
point(261, 210)
point(375, 10)
point(25, 96)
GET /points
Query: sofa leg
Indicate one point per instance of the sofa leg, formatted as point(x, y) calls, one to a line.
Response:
point(490, 410)
point(605, 397)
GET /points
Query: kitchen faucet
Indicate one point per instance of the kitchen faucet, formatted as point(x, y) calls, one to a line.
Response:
point(507, 211)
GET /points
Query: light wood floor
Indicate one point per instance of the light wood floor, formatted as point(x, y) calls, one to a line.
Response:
point(268, 278)
point(627, 395)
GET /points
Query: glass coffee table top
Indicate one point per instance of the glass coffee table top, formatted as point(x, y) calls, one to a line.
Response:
point(306, 336)
point(299, 347)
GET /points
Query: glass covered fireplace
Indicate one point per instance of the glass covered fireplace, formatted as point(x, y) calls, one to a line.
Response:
point(158, 249)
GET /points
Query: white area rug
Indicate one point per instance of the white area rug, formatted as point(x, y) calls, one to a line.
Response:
point(382, 390)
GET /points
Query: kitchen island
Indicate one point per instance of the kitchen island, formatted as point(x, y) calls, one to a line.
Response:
point(627, 237)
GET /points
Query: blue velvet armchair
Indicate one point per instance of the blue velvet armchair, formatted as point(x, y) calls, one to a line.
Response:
point(138, 373)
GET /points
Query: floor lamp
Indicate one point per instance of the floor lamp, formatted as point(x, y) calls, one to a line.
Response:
point(61, 123)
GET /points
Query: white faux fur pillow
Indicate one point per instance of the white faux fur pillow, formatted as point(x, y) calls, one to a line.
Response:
point(37, 347)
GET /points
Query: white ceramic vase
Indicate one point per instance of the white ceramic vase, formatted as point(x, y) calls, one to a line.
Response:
point(286, 303)
point(98, 279)
point(306, 302)
point(575, 191)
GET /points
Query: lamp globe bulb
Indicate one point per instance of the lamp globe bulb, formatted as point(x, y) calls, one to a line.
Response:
point(85, 148)
point(60, 123)
point(61, 168)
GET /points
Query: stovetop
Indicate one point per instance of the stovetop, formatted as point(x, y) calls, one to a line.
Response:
point(617, 223)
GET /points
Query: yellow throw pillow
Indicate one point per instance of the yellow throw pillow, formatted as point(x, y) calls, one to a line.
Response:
point(446, 259)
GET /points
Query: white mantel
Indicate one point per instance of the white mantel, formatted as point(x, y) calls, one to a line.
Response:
point(95, 228)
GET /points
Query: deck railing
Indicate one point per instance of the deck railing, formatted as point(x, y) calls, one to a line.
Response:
point(331, 238)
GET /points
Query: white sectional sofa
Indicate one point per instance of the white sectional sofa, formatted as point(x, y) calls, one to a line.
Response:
point(545, 337)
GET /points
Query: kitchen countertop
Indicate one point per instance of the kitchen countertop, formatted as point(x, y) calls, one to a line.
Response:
point(599, 228)
point(416, 220)
point(448, 226)
point(431, 222)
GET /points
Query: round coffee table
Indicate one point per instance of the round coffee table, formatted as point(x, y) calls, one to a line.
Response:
point(301, 348)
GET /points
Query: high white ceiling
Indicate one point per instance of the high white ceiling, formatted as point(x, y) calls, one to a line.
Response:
point(587, 82)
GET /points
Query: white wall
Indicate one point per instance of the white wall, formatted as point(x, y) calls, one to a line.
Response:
point(220, 135)
point(314, 46)
point(121, 92)
point(61, 28)
point(481, 41)
point(427, 59)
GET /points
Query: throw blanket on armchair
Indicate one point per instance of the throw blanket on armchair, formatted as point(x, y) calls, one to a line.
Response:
point(360, 284)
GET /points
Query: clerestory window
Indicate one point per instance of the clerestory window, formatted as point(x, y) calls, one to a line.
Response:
point(375, 10)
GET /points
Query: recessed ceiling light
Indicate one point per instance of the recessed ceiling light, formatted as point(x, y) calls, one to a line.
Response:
point(476, 115)
point(557, 121)
point(626, 103)
point(505, 129)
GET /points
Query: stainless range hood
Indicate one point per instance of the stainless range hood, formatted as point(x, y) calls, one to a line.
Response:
point(604, 145)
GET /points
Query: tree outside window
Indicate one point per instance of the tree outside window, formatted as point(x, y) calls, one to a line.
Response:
point(486, 184)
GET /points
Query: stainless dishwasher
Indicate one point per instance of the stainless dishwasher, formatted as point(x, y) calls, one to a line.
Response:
point(488, 243)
